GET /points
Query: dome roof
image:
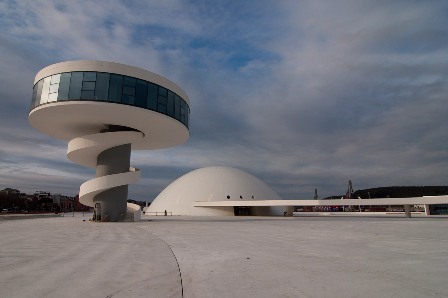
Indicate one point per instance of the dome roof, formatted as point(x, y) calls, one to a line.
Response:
point(211, 184)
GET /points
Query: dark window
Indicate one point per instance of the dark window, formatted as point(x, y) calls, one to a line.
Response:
point(102, 86)
point(182, 111)
point(127, 99)
point(64, 85)
point(177, 107)
point(129, 90)
point(161, 104)
point(87, 94)
point(161, 108)
point(152, 97)
point(115, 87)
point(162, 101)
point(75, 85)
point(141, 91)
point(170, 104)
point(163, 91)
point(88, 86)
point(90, 76)
point(128, 81)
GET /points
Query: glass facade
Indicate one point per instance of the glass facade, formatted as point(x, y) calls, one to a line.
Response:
point(109, 87)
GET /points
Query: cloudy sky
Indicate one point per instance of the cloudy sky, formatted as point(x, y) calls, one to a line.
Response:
point(302, 94)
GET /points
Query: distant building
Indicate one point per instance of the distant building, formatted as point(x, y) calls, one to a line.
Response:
point(67, 204)
point(11, 192)
point(42, 194)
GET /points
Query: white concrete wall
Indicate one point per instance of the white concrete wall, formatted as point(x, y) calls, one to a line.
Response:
point(135, 211)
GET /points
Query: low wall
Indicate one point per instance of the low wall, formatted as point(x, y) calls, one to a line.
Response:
point(354, 213)
point(27, 216)
point(134, 212)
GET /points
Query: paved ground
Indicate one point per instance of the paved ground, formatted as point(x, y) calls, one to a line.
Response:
point(225, 257)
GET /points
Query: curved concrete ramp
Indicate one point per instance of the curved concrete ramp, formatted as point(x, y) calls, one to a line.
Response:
point(86, 150)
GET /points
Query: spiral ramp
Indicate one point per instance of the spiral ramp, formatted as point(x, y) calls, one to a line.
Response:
point(109, 153)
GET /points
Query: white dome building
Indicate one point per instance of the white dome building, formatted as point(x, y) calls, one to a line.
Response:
point(215, 184)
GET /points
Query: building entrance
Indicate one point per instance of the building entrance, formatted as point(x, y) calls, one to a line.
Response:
point(97, 212)
point(241, 210)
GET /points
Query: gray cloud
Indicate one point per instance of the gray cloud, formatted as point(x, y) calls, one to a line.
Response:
point(302, 94)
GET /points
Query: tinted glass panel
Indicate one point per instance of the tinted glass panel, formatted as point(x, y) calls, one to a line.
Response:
point(182, 108)
point(33, 98)
point(75, 85)
point(163, 91)
point(52, 97)
point(141, 90)
point(182, 112)
point(177, 107)
point(39, 92)
point(152, 96)
point(127, 99)
point(55, 79)
point(170, 104)
point(45, 90)
point(162, 108)
point(129, 90)
point(54, 88)
point(102, 86)
point(128, 81)
point(64, 86)
point(88, 86)
point(88, 94)
point(89, 76)
point(115, 88)
point(162, 100)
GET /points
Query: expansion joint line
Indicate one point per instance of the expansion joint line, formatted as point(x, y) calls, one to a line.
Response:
point(177, 262)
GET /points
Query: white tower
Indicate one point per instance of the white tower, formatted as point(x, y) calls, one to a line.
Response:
point(104, 110)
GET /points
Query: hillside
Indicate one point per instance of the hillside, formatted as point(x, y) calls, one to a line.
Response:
point(396, 192)
point(401, 192)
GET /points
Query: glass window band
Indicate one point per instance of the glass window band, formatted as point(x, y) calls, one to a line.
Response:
point(110, 87)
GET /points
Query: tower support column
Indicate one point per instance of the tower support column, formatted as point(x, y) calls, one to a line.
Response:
point(407, 211)
point(289, 211)
point(113, 201)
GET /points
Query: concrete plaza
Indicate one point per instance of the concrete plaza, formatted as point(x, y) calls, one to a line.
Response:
point(309, 256)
